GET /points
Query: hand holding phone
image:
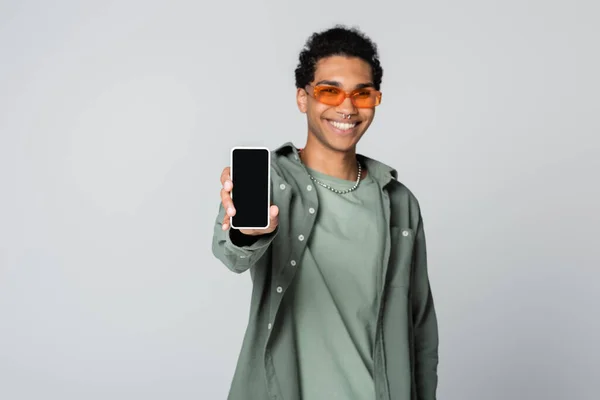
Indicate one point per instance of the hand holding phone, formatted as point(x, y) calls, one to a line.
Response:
point(249, 173)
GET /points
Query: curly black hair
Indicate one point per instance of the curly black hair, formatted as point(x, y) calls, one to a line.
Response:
point(337, 41)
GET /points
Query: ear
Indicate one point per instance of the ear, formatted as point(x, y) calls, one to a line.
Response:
point(302, 100)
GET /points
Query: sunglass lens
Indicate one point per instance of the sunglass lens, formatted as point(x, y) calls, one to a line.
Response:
point(365, 99)
point(329, 95)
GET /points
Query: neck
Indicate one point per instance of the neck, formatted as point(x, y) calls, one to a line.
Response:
point(339, 164)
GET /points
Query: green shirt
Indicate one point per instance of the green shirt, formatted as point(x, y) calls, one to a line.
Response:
point(405, 348)
point(333, 297)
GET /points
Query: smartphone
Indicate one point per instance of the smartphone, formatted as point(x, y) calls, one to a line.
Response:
point(251, 193)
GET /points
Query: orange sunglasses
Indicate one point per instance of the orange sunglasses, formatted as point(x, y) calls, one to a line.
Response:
point(334, 96)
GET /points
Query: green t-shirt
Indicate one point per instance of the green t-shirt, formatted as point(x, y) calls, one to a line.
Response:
point(334, 295)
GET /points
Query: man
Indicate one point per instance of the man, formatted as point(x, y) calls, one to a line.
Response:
point(341, 306)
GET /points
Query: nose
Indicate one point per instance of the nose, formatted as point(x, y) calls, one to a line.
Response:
point(347, 107)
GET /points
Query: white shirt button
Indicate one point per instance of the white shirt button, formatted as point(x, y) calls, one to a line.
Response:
point(269, 326)
point(309, 188)
point(301, 237)
point(279, 289)
point(293, 262)
point(311, 210)
point(282, 186)
point(404, 233)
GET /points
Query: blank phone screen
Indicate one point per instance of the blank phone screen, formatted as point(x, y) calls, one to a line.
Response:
point(251, 185)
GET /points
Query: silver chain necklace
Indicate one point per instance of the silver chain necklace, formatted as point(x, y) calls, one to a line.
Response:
point(326, 186)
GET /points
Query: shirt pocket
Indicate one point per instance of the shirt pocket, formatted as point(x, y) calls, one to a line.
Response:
point(401, 255)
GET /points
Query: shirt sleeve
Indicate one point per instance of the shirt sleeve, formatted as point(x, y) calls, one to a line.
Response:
point(235, 250)
point(424, 322)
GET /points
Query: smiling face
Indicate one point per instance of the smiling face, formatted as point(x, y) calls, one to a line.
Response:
point(325, 122)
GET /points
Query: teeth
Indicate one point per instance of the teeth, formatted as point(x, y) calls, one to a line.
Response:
point(342, 125)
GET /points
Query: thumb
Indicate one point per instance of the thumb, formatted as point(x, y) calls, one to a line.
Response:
point(274, 215)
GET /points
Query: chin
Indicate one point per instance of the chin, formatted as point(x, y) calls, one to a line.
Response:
point(341, 145)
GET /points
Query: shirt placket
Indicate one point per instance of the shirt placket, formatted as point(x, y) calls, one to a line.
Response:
point(380, 375)
point(281, 283)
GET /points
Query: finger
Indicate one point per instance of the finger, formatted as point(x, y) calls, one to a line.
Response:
point(225, 224)
point(226, 180)
point(225, 175)
point(227, 203)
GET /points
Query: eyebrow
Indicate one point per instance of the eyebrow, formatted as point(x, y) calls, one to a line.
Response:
point(337, 84)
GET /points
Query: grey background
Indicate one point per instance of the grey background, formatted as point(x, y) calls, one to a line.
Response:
point(116, 119)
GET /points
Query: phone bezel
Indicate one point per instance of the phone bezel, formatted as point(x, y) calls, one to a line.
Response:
point(268, 184)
